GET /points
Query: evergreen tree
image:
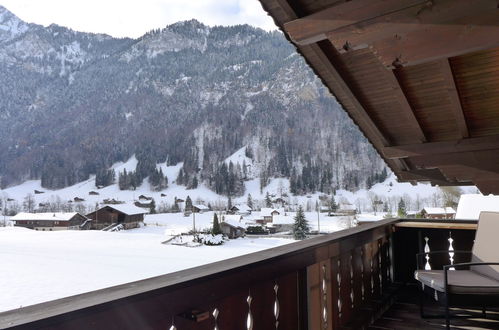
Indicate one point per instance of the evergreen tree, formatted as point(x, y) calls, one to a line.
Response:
point(175, 207)
point(250, 201)
point(333, 207)
point(229, 203)
point(300, 227)
point(216, 226)
point(268, 201)
point(188, 204)
point(152, 207)
point(401, 212)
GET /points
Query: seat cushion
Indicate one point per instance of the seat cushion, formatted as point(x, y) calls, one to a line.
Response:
point(460, 281)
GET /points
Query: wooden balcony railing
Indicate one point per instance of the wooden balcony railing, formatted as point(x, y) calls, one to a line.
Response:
point(342, 280)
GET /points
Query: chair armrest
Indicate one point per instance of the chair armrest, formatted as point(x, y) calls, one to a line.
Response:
point(423, 254)
point(467, 264)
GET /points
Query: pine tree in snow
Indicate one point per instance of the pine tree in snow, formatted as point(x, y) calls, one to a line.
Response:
point(250, 201)
point(216, 226)
point(188, 204)
point(300, 227)
point(401, 209)
point(268, 201)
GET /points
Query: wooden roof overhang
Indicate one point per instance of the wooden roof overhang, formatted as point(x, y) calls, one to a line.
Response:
point(420, 78)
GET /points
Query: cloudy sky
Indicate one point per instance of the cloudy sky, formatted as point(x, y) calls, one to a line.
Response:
point(132, 18)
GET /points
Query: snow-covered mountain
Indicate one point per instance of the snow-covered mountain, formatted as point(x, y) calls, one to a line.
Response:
point(72, 104)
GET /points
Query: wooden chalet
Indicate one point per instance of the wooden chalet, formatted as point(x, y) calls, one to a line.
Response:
point(143, 203)
point(200, 208)
point(438, 213)
point(232, 227)
point(267, 215)
point(421, 80)
point(242, 209)
point(130, 216)
point(51, 221)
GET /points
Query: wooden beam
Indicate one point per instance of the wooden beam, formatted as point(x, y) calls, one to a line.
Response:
point(447, 40)
point(422, 175)
point(313, 28)
point(438, 148)
point(407, 20)
point(454, 97)
point(485, 161)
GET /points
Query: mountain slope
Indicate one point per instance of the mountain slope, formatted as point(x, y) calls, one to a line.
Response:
point(72, 104)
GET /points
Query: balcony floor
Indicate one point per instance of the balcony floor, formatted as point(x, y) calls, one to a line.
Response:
point(404, 314)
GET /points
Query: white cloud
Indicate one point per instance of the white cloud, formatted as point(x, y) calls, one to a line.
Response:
point(132, 18)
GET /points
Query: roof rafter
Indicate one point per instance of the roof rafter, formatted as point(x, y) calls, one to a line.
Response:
point(438, 148)
point(313, 28)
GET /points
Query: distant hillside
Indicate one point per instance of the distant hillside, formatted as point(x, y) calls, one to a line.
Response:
point(72, 104)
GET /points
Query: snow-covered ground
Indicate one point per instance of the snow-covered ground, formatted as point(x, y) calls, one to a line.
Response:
point(42, 266)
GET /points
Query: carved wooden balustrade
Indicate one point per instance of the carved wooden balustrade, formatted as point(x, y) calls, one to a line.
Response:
point(342, 280)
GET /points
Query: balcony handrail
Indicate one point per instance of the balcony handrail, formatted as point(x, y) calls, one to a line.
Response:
point(244, 270)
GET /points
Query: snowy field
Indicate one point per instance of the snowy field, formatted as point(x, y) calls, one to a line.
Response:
point(42, 266)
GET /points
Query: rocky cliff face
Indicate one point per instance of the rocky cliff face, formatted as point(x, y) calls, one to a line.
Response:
point(73, 103)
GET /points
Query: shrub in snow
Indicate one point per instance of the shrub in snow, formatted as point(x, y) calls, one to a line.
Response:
point(211, 239)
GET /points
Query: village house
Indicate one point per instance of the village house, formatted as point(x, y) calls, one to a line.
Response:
point(279, 202)
point(143, 203)
point(281, 223)
point(129, 216)
point(438, 213)
point(144, 198)
point(267, 215)
point(50, 221)
point(241, 209)
point(200, 208)
point(231, 226)
point(345, 209)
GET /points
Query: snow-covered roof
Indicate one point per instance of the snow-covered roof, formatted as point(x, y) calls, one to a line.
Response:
point(145, 201)
point(232, 217)
point(470, 205)
point(46, 216)
point(283, 220)
point(242, 207)
point(233, 223)
point(439, 210)
point(201, 207)
point(267, 211)
point(345, 206)
point(127, 209)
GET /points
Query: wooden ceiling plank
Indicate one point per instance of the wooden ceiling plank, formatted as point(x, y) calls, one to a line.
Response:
point(357, 111)
point(313, 28)
point(454, 97)
point(437, 148)
point(385, 89)
point(407, 20)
